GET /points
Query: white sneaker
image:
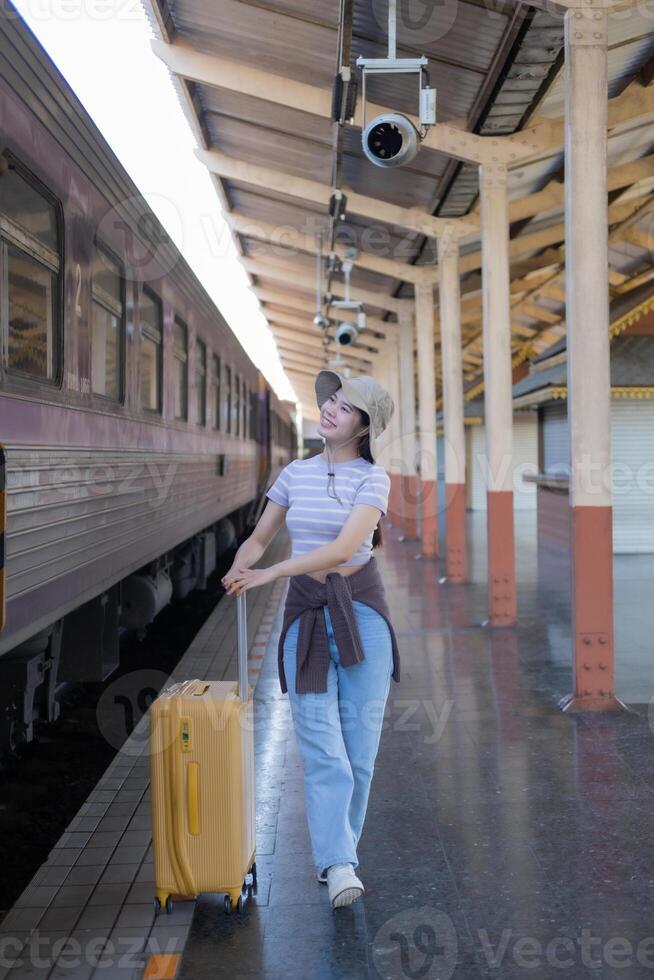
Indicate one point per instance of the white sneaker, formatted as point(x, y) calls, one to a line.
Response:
point(343, 885)
point(322, 877)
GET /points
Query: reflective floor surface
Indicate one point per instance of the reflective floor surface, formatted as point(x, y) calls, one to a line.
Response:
point(503, 838)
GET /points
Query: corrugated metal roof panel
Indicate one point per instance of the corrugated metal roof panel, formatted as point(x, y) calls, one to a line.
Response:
point(313, 10)
point(379, 239)
point(265, 115)
point(283, 212)
point(631, 44)
point(533, 62)
point(300, 157)
point(451, 30)
point(630, 145)
point(404, 186)
point(274, 42)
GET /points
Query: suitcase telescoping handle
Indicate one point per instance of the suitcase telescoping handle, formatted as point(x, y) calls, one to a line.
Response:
point(242, 646)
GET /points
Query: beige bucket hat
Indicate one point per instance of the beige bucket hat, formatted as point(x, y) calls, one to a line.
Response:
point(364, 393)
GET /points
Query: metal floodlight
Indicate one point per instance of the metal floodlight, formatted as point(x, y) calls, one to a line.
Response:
point(391, 139)
point(348, 331)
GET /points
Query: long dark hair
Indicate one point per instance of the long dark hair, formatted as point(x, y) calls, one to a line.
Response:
point(364, 452)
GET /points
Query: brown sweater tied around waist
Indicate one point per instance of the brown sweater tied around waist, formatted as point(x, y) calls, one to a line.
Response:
point(306, 598)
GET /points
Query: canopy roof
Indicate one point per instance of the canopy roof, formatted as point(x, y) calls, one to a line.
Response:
point(256, 84)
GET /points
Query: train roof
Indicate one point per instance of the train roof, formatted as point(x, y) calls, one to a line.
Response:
point(27, 68)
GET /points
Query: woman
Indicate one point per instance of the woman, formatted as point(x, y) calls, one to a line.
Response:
point(337, 645)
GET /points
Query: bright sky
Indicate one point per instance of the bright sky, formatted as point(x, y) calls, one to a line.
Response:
point(102, 48)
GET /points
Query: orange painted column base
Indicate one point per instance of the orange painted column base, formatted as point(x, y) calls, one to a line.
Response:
point(429, 514)
point(456, 559)
point(591, 531)
point(410, 492)
point(501, 558)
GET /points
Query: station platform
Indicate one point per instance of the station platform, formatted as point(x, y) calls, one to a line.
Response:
point(504, 839)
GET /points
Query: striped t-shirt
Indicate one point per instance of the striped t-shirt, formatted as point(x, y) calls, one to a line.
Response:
point(313, 517)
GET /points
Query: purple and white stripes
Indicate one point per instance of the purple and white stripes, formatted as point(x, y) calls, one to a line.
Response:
point(315, 518)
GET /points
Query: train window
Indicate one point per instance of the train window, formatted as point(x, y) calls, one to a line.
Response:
point(253, 415)
point(201, 381)
point(237, 405)
point(107, 324)
point(245, 403)
point(30, 266)
point(180, 367)
point(228, 399)
point(151, 357)
point(215, 391)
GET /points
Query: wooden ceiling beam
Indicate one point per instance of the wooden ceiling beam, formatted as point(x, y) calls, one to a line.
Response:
point(317, 360)
point(287, 299)
point(633, 106)
point(313, 344)
point(373, 324)
point(292, 277)
point(293, 240)
point(376, 209)
point(536, 312)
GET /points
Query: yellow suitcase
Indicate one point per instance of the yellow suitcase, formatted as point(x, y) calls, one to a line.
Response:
point(202, 781)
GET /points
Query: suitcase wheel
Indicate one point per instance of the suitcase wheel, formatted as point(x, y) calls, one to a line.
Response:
point(228, 904)
point(168, 905)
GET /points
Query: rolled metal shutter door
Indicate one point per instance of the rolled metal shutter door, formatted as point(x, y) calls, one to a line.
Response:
point(525, 451)
point(632, 451)
point(556, 440)
point(478, 467)
point(525, 459)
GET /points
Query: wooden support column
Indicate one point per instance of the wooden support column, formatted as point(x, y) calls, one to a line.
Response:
point(456, 566)
point(394, 467)
point(589, 395)
point(410, 488)
point(424, 297)
point(498, 408)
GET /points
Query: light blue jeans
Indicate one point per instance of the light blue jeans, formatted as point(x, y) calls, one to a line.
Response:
point(338, 735)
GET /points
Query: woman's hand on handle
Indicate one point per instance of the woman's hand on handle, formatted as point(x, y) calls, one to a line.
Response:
point(243, 579)
point(229, 576)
